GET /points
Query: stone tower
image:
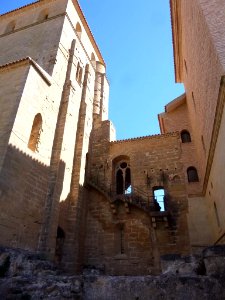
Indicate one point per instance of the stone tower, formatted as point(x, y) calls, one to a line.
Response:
point(53, 89)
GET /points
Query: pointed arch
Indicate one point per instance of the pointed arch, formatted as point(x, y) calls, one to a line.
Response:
point(122, 175)
point(78, 29)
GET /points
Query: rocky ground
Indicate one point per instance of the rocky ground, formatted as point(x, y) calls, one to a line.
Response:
point(25, 276)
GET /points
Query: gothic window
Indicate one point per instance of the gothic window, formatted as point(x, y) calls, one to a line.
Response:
point(158, 198)
point(34, 139)
point(10, 27)
point(79, 74)
point(123, 178)
point(185, 136)
point(78, 29)
point(192, 174)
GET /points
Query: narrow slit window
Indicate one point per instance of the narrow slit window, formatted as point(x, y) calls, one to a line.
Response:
point(122, 248)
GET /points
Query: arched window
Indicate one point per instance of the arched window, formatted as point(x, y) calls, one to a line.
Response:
point(123, 178)
point(78, 29)
point(192, 174)
point(79, 73)
point(34, 139)
point(158, 197)
point(43, 15)
point(10, 27)
point(185, 136)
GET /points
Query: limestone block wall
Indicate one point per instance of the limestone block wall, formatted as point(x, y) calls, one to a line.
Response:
point(177, 119)
point(88, 43)
point(120, 244)
point(154, 161)
point(202, 67)
point(10, 95)
point(30, 32)
point(24, 174)
point(215, 189)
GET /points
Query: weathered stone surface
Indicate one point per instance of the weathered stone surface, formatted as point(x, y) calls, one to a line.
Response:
point(153, 288)
point(176, 264)
point(214, 259)
point(32, 277)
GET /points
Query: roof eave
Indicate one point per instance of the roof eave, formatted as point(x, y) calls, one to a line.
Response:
point(88, 30)
point(175, 9)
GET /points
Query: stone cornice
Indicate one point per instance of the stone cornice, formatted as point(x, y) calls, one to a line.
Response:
point(215, 131)
point(27, 61)
point(175, 9)
point(148, 137)
point(88, 30)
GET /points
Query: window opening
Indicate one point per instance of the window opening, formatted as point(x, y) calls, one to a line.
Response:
point(159, 196)
point(35, 134)
point(192, 174)
point(79, 73)
point(185, 136)
point(123, 178)
point(122, 248)
point(78, 29)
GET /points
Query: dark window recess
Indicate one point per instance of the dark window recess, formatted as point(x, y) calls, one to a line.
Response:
point(185, 136)
point(192, 174)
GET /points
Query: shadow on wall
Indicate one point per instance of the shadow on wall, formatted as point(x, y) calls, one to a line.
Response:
point(23, 190)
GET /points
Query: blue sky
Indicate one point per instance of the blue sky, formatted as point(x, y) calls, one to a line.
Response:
point(136, 43)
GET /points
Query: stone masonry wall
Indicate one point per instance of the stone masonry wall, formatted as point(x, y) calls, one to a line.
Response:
point(203, 70)
point(154, 161)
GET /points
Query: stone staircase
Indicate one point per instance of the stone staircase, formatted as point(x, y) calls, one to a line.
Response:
point(137, 198)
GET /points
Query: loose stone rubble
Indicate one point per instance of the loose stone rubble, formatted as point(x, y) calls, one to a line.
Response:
point(24, 276)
